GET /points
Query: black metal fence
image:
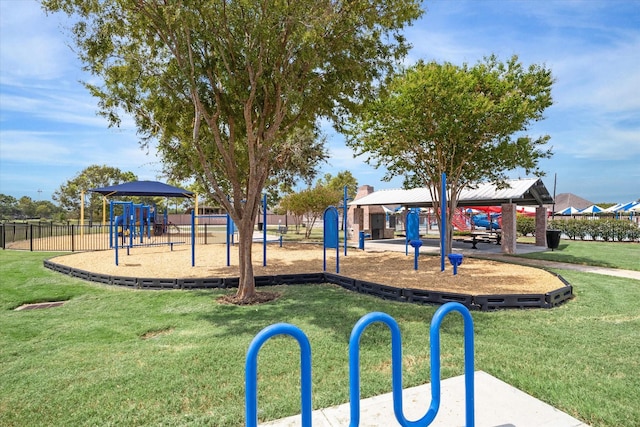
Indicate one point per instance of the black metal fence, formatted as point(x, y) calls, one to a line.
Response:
point(45, 236)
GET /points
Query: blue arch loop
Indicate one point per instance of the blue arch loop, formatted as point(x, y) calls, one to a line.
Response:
point(251, 371)
point(354, 367)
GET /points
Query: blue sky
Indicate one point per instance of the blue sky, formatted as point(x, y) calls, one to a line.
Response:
point(49, 130)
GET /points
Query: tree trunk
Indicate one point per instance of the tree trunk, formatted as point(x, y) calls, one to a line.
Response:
point(246, 286)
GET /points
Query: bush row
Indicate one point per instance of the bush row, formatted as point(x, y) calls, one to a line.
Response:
point(608, 230)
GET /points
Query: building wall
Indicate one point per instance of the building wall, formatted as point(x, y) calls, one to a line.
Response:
point(360, 219)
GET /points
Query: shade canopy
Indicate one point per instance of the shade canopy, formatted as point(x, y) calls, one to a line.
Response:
point(627, 207)
point(143, 188)
point(593, 209)
point(568, 211)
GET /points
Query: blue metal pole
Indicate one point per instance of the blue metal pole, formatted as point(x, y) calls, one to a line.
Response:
point(443, 221)
point(132, 225)
point(111, 225)
point(344, 220)
point(264, 230)
point(230, 227)
point(193, 238)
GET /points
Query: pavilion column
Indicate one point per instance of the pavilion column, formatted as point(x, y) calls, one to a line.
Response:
point(541, 226)
point(358, 221)
point(509, 228)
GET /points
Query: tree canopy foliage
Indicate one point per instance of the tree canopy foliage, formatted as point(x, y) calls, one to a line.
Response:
point(26, 208)
point(69, 194)
point(222, 85)
point(338, 182)
point(469, 122)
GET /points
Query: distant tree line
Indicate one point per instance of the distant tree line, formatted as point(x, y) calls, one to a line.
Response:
point(27, 208)
point(308, 203)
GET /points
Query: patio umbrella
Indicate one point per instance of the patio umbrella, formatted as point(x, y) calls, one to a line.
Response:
point(568, 211)
point(593, 209)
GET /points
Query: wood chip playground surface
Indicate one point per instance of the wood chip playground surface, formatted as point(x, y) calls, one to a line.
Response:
point(475, 276)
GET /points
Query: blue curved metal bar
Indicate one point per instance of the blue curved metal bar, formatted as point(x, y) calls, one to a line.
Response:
point(354, 362)
point(251, 371)
point(396, 365)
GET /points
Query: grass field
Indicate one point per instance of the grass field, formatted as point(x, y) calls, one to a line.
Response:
point(601, 254)
point(113, 356)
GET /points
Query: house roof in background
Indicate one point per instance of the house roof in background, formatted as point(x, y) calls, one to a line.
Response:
point(565, 200)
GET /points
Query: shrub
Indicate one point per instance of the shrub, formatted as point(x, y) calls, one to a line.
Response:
point(598, 229)
point(525, 225)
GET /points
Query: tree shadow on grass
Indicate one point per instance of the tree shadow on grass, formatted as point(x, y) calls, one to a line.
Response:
point(326, 306)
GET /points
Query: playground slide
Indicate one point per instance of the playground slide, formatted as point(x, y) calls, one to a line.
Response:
point(482, 220)
point(459, 221)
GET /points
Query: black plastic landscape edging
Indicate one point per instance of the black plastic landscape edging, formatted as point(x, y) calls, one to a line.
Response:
point(414, 296)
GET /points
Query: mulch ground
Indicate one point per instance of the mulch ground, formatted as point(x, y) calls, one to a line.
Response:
point(475, 277)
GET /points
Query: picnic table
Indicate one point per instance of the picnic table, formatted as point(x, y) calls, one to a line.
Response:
point(483, 237)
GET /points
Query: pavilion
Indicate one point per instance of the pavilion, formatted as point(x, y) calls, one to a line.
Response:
point(521, 192)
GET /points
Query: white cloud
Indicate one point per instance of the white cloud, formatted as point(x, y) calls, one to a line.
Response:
point(32, 147)
point(32, 46)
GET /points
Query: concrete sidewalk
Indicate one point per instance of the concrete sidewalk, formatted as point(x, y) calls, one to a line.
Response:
point(497, 404)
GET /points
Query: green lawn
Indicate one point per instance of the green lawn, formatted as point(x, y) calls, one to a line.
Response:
point(602, 254)
point(113, 356)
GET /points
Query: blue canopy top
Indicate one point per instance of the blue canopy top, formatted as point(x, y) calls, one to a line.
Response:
point(143, 188)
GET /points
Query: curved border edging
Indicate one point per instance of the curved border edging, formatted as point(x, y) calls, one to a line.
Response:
point(414, 296)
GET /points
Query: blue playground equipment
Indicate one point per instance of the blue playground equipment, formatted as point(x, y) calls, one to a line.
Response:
point(230, 234)
point(330, 237)
point(413, 228)
point(230, 231)
point(135, 223)
point(486, 221)
point(251, 367)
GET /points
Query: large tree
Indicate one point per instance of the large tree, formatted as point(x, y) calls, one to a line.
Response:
point(69, 194)
point(222, 84)
point(469, 122)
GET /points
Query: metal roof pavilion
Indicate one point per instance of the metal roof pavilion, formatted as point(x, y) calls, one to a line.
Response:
point(523, 192)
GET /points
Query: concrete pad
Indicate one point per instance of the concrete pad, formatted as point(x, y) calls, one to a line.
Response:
point(497, 404)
